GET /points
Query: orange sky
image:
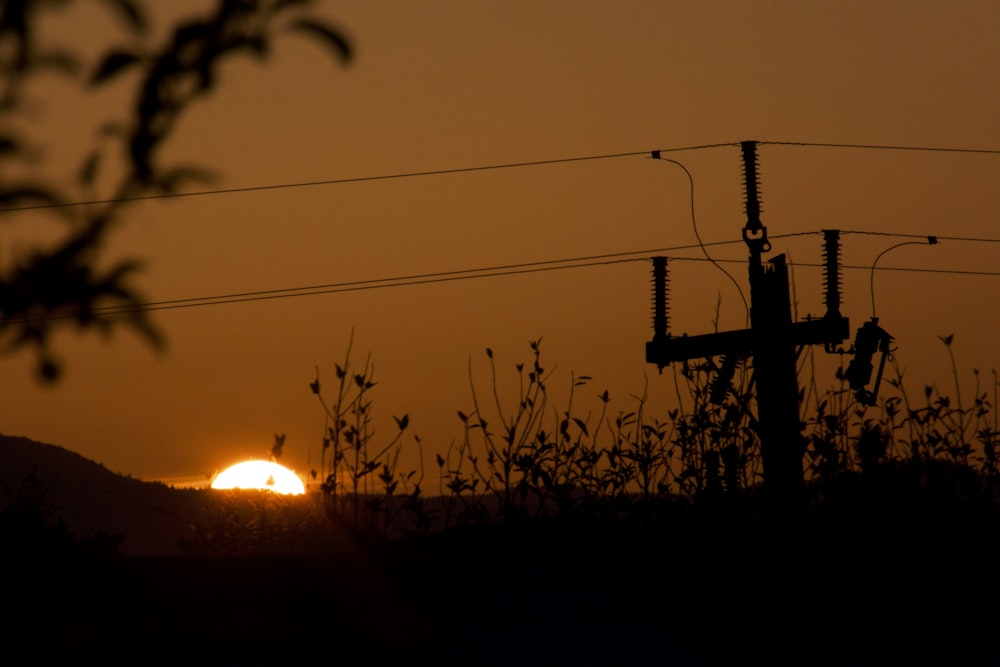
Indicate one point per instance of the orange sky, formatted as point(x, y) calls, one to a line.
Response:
point(455, 84)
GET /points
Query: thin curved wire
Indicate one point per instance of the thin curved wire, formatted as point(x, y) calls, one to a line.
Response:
point(871, 282)
point(701, 244)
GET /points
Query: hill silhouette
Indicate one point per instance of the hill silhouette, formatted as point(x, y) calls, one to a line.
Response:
point(151, 517)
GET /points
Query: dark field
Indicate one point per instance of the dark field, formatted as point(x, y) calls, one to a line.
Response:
point(888, 580)
point(893, 565)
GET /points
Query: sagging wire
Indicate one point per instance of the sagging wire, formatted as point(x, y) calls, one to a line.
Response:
point(931, 240)
point(656, 155)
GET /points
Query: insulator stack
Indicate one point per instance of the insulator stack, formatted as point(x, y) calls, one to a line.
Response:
point(660, 297)
point(751, 191)
point(831, 271)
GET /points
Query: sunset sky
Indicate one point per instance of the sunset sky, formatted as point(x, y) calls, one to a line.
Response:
point(450, 85)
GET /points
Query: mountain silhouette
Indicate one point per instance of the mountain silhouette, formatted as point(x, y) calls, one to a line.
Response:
point(151, 517)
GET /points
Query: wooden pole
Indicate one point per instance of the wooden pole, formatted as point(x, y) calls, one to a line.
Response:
point(779, 427)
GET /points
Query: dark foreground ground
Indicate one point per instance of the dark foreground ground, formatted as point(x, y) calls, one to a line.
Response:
point(881, 579)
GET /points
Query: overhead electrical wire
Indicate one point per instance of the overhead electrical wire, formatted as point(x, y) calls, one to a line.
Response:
point(931, 240)
point(359, 286)
point(534, 267)
point(855, 267)
point(488, 270)
point(360, 179)
point(490, 167)
point(513, 269)
point(493, 272)
point(440, 276)
point(881, 147)
point(972, 239)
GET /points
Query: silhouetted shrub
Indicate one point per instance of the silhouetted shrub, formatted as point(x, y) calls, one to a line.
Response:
point(29, 533)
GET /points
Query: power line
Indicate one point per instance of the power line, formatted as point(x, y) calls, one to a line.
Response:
point(972, 239)
point(423, 278)
point(858, 267)
point(468, 274)
point(488, 270)
point(388, 282)
point(523, 268)
point(490, 167)
point(361, 179)
point(953, 272)
point(437, 276)
point(335, 288)
point(379, 284)
point(883, 147)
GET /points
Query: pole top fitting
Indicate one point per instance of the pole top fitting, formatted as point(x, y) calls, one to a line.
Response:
point(756, 239)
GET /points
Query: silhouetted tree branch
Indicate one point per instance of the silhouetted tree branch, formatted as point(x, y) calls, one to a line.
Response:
point(64, 284)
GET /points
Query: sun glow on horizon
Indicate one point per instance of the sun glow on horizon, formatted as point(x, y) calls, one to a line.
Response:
point(260, 475)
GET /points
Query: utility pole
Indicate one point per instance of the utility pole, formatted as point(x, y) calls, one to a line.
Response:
point(771, 342)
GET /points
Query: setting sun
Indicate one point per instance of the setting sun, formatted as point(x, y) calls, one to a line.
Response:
point(263, 475)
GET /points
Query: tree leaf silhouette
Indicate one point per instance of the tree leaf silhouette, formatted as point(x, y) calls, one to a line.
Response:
point(130, 13)
point(67, 284)
point(9, 145)
point(22, 195)
point(331, 38)
point(59, 61)
point(279, 443)
point(89, 169)
point(171, 180)
point(114, 63)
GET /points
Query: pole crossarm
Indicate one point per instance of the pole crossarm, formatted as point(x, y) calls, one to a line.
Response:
point(667, 349)
point(664, 349)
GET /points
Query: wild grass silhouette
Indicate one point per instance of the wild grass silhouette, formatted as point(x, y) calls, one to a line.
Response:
point(522, 457)
point(621, 537)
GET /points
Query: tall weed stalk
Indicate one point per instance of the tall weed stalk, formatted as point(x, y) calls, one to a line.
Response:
point(524, 455)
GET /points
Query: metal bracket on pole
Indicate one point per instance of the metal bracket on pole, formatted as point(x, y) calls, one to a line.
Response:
point(871, 338)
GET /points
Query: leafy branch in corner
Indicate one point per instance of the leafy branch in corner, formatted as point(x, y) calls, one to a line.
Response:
point(67, 283)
